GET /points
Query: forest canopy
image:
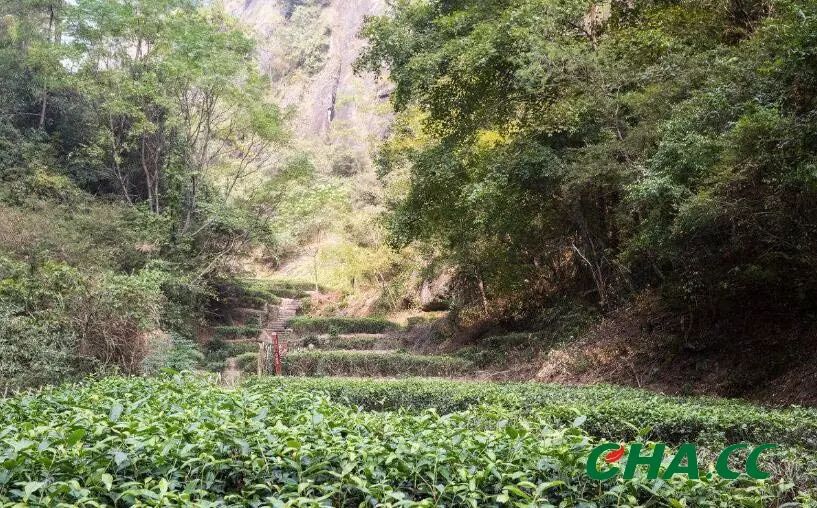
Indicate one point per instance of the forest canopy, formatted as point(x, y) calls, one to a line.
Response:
point(560, 147)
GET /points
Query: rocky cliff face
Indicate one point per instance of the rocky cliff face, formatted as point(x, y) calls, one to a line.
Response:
point(308, 48)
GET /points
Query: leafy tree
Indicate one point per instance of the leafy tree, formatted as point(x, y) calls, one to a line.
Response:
point(596, 149)
point(133, 137)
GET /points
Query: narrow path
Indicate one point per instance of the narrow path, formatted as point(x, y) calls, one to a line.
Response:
point(285, 311)
point(277, 316)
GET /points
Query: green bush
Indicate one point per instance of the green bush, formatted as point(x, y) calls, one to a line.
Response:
point(237, 332)
point(175, 352)
point(303, 324)
point(217, 351)
point(419, 321)
point(612, 412)
point(33, 351)
point(56, 322)
point(214, 365)
point(245, 293)
point(281, 288)
point(482, 357)
point(356, 363)
point(339, 342)
point(241, 348)
point(180, 441)
point(495, 350)
point(300, 285)
point(247, 362)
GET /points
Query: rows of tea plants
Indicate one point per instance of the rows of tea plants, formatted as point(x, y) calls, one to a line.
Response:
point(179, 440)
point(337, 325)
point(373, 363)
point(611, 411)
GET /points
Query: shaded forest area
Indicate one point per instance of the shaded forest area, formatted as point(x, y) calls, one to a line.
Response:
point(564, 153)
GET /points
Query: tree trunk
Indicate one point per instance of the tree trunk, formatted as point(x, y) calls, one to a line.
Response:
point(481, 284)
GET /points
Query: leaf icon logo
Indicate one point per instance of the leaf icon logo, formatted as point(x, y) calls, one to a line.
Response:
point(615, 455)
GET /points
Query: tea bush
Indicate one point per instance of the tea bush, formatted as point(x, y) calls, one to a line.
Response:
point(288, 293)
point(247, 362)
point(173, 441)
point(237, 332)
point(353, 342)
point(303, 324)
point(357, 363)
point(217, 351)
point(245, 293)
point(612, 412)
point(298, 285)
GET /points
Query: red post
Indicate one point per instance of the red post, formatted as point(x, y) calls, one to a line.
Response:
point(276, 345)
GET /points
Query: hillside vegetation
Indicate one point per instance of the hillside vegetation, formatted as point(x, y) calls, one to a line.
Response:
point(132, 137)
point(589, 151)
point(392, 205)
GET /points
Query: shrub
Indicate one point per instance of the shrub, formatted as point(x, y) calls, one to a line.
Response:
point(172, 352)
point(481, 357)
point(247, 362)
point(612, 412)
point(144, 441)
point(296, 294)
point(217, 351)
point(341, 325)
point(244, 293)
point(419, 321)
point(33, 351)
point(355, 363)
point(56, 321)
point(237, 332)
point(214, 365)
point(241, 348)
point(301, 285)
point(509, 340)
point(339, 342)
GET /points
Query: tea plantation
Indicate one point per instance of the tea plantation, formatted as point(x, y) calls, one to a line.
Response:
point(182, 440)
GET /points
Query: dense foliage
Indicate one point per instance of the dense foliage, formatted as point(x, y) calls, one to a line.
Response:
point(347, 342)
point(612, 412)
point(174, 441)
point(600, 148)
point(129, 131)
point(307, 324)
point(373, 363)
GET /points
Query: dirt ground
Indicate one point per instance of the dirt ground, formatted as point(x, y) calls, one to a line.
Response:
point(643, 346)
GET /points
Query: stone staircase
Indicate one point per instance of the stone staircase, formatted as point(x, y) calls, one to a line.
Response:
point(273, 319)
point(280, 315)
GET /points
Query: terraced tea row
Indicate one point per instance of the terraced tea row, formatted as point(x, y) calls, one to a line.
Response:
point(182, 441)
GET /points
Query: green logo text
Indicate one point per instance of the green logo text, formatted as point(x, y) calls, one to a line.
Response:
point(685, 461)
